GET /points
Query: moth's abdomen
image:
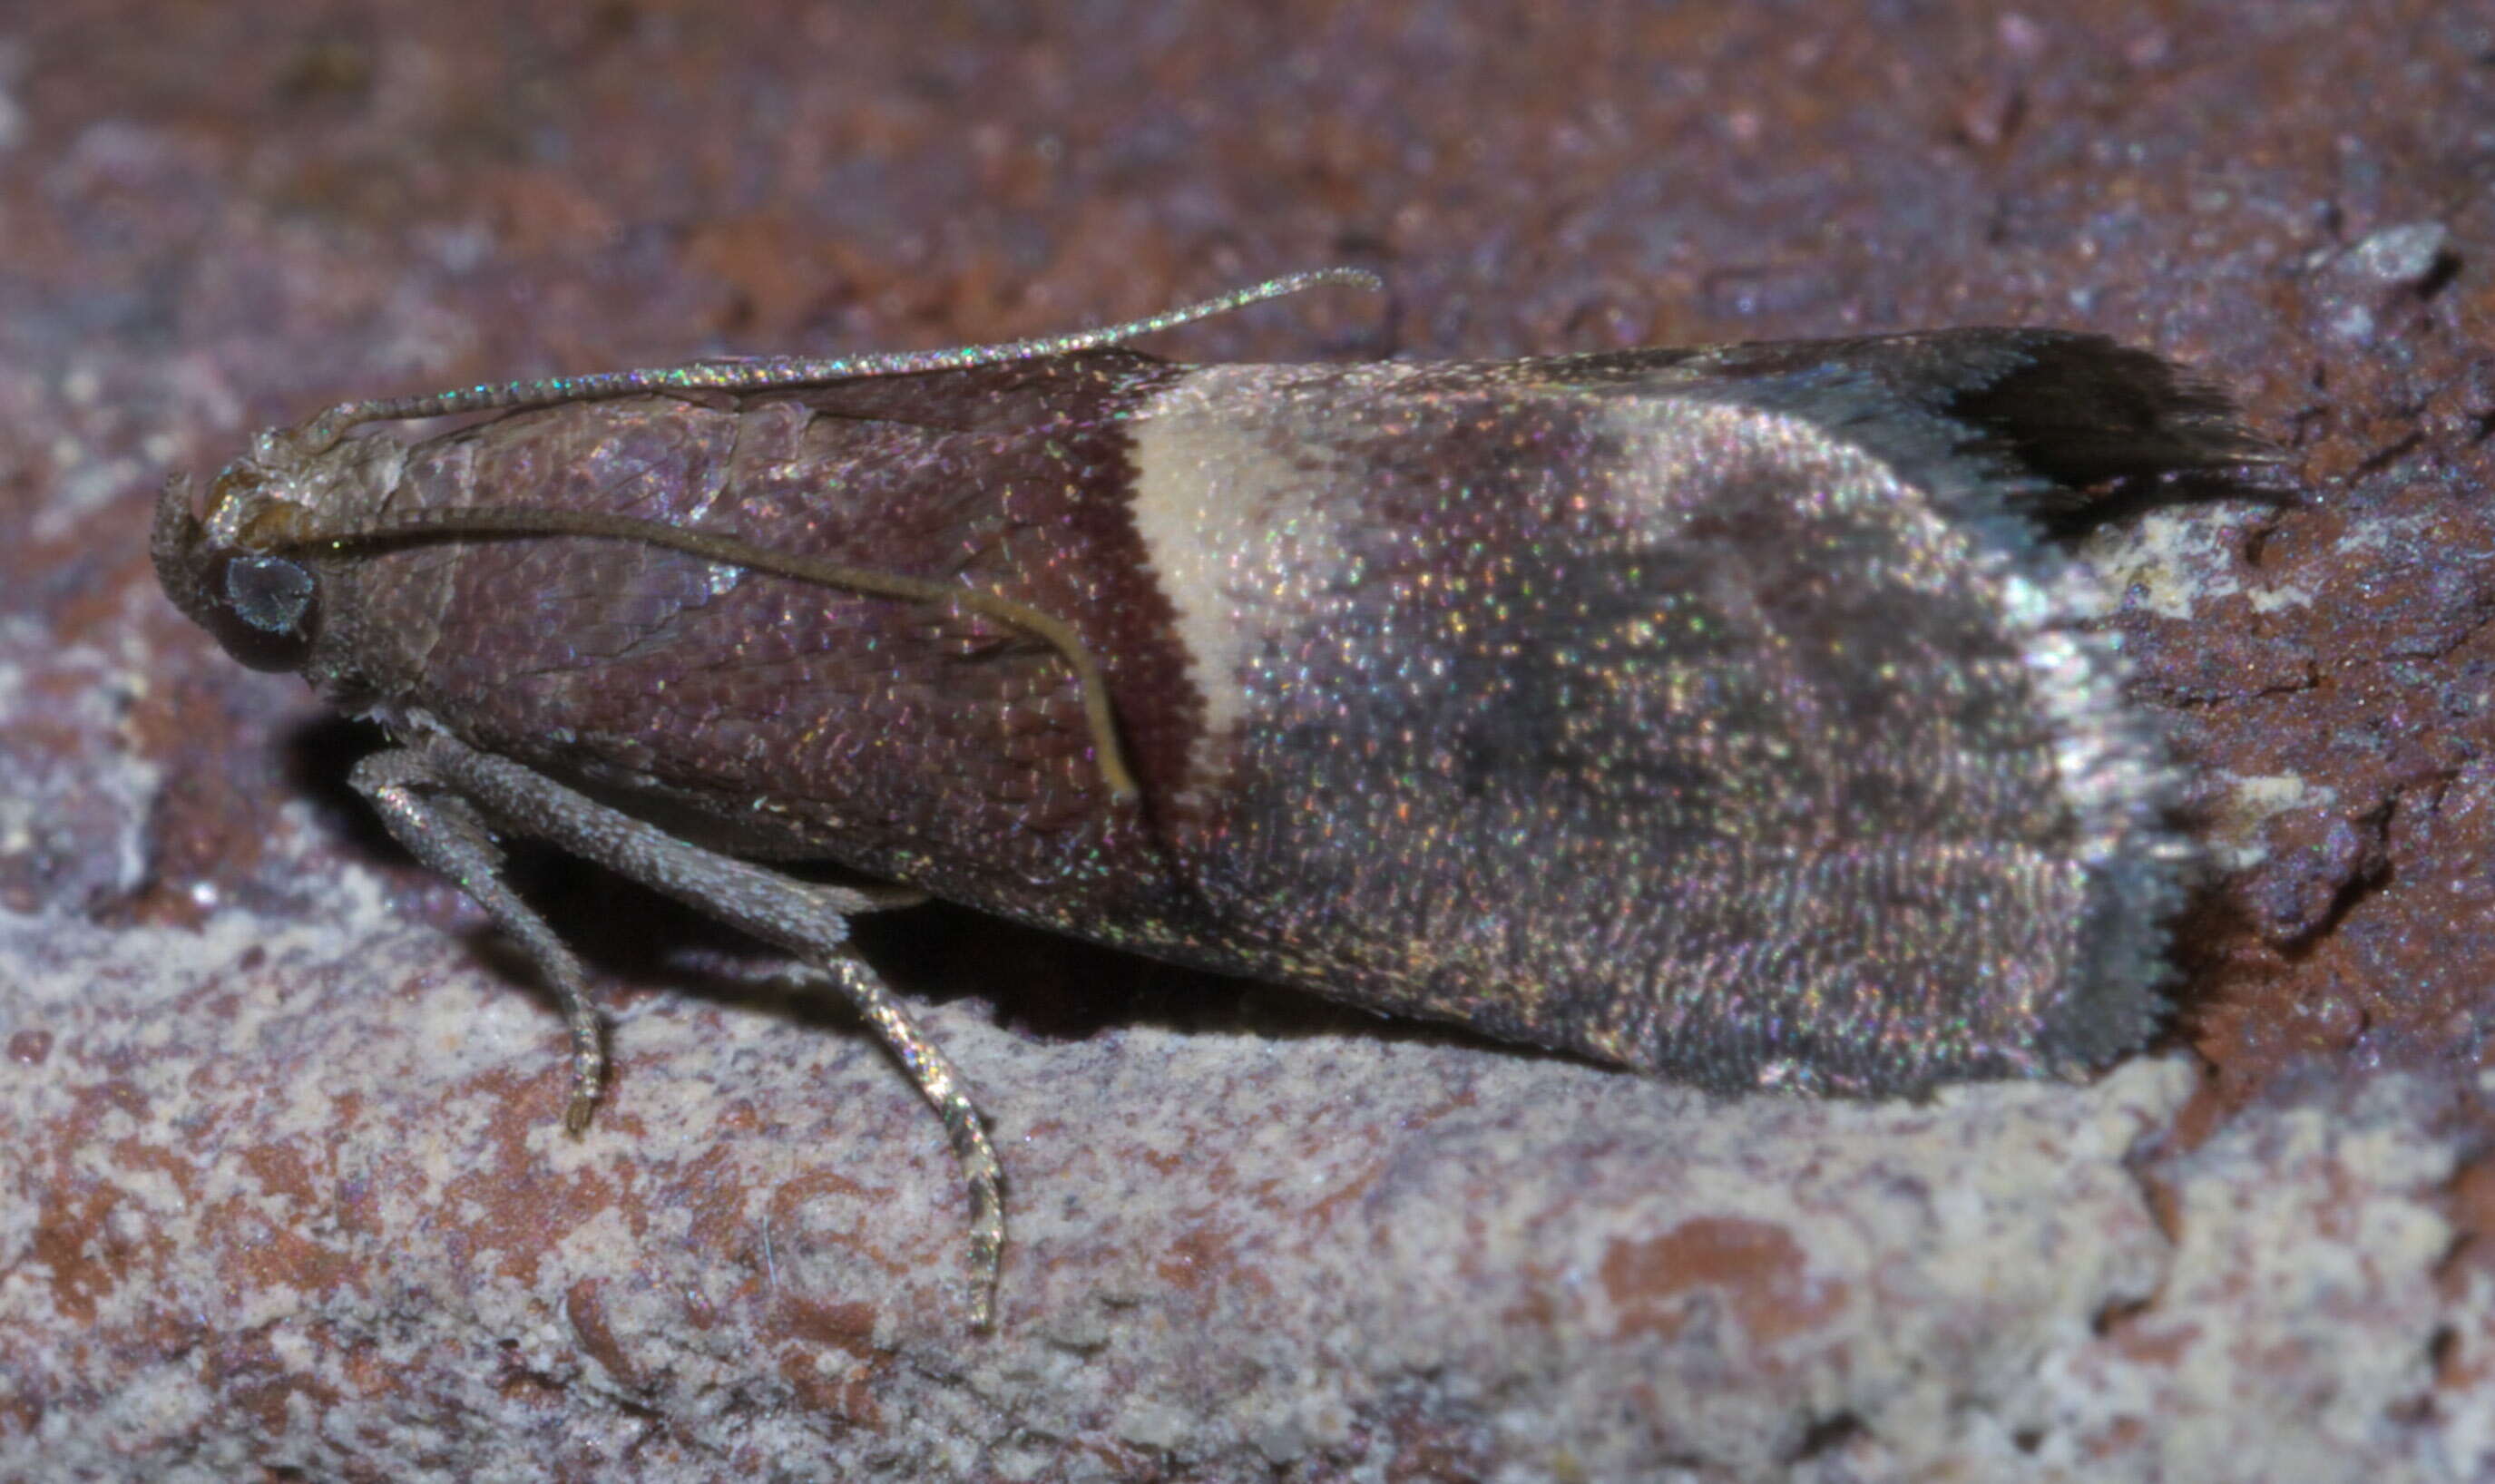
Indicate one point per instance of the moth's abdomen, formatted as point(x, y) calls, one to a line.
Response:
point(1648, 724)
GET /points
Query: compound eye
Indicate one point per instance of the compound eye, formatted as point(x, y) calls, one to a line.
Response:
point(265, 607)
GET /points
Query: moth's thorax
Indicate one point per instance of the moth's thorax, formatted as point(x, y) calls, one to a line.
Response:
point(284, 490)
point(925, 741)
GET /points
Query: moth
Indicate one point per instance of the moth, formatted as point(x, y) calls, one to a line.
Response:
point(1717, 713)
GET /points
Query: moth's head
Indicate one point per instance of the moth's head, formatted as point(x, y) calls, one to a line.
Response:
point(246, 568)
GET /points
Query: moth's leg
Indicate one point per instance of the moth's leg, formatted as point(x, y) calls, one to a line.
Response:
point(440, 828)
point(808, 920)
